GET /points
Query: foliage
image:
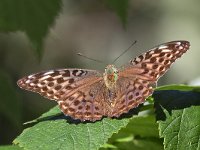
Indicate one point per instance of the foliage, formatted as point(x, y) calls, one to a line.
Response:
point(178, 115)
point(35, 27)
point(62, 133)
point(120, 7)
point(8, 92)
point(10, 147)
point(43, 15)
point(54, 131)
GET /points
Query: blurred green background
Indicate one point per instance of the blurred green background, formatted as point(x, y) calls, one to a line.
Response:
point(38, 35)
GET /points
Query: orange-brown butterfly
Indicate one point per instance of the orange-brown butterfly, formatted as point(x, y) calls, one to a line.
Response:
point(89, 94)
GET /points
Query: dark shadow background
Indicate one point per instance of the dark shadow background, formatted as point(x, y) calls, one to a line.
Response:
point(39, 35)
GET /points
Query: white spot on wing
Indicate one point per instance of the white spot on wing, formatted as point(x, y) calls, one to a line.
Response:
point(137, 59)
point(49, 72)
point(55, 97)
point(180, 47)
point(45, 77)
point(151, 52)
point(177, 52)
point(28, 81)
point(64, 107)
point(166, 50)
point(30, 76)
point(32, 84)
point(39, 85)
point(163, 47)
point(62, 72)
point(178, 43)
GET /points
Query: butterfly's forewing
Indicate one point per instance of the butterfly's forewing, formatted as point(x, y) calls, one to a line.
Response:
point(75, 90)
point(136, 79)
point(155, 62)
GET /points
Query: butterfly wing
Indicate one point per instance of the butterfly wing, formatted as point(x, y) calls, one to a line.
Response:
point(155, 62)
point(75, 90)
point(82, 94)
point(129, 94)
point(136, 79)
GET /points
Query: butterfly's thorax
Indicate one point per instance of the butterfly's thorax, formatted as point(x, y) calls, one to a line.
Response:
point(110, 77)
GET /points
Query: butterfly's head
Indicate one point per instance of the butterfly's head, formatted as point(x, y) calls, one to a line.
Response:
point(110, 76)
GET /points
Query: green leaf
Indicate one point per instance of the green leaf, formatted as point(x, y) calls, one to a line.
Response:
point(140, 133)
point(144, 126)
point(180, 87)
point(48, 115)
point(178, 114)
point(62, 133)
point(10, 147)
point(141, 144)
point(174, 100)
point(181, 130)
point(10, 103)
point(120, 7)
point(32, 17)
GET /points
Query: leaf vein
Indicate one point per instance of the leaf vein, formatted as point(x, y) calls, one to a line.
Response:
point(73, 141)
point(169, 125)
point(103, 130)
point(111, 126)
point(198, 147)
point(180, 125)
point(89, 137)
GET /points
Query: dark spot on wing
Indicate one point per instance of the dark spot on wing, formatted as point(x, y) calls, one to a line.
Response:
point(153, 59)
point(56, 73)
point(50, 84)
point(155, 66)
point(66, 74)
point(50, 79)
point(74, 72)
point(76, 102)
point(60, 80)
point(71, 80)
point(58, 87)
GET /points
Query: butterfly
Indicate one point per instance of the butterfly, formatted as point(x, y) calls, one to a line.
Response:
point(89, 94)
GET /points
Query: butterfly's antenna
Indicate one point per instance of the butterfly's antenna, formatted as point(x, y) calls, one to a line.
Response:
point(124, 52)
point(79, 54)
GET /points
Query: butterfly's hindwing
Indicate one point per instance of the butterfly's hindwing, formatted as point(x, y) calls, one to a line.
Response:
point(85, 103)
point(131, 93)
